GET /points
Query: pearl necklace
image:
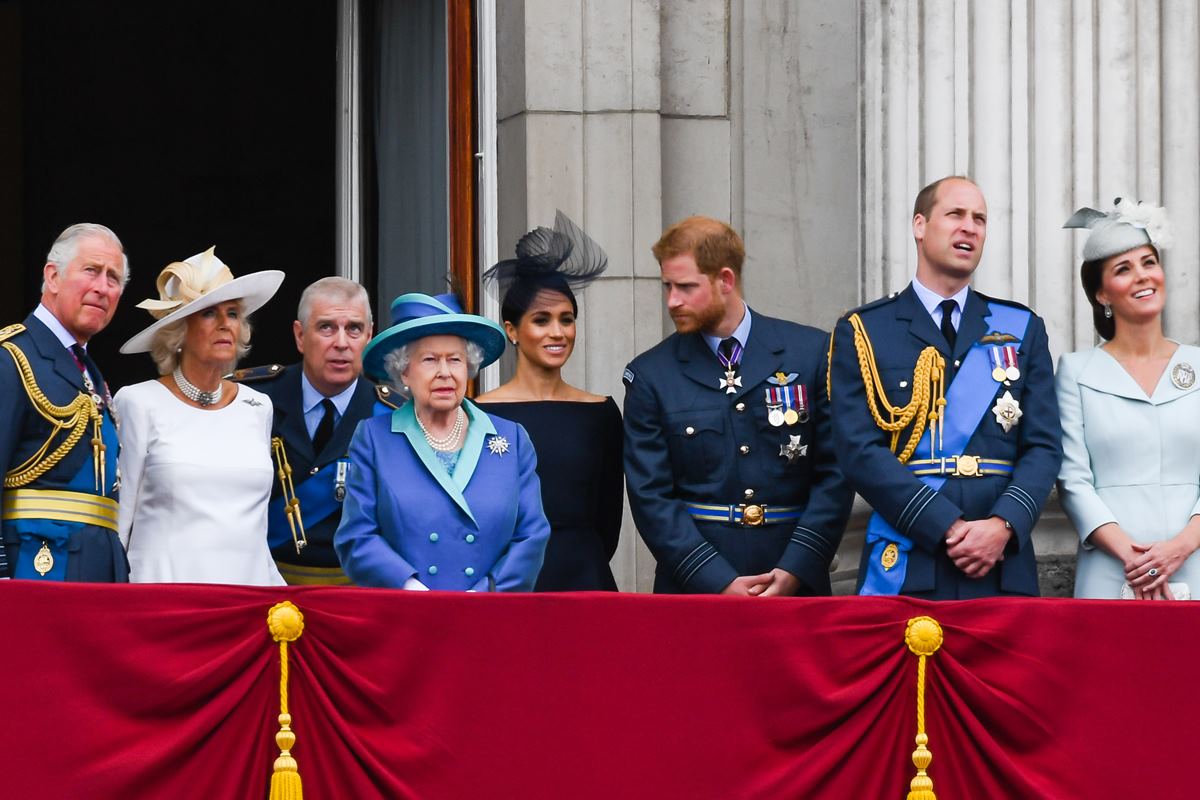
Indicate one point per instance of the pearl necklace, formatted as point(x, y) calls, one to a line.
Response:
point(194, 394)
point(448, 443)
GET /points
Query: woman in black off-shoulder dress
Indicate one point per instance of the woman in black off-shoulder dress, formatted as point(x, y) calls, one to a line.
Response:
point(578, 436)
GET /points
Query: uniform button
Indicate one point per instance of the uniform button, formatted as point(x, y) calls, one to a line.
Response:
point(470, 538)
point(689, 430)
point(469, 571)
point(433, 537)
point(314, 470)
point(433, 570)
point(749, 493)
point(744, 449)
point(957, 363)
point(903, 384)
point(740, 407)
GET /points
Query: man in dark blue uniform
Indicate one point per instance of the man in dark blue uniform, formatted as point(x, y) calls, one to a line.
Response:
point(58, 436)
point(732, 480)
point(945, 418)
point(318, 404)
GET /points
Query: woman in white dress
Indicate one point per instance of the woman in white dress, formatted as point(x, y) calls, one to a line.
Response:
point(195, 460)
point(1130, 478)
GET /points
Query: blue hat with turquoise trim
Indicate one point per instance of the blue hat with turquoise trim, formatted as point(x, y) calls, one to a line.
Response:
point(416, 315)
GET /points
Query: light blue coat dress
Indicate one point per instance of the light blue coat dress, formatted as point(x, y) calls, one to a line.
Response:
point(1129, 459)
point(405, 517)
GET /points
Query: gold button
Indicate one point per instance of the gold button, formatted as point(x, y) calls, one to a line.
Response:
point(740, 407)
point(689, 430)
point(744, 449)
point(749, 493)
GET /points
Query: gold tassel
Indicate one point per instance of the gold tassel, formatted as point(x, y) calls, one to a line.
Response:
point(923, 635)
point(286, 623)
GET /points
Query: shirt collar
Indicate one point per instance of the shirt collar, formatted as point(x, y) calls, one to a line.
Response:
point(741, 332)
point(56, 327)
point(931, 299)
point(310, 398)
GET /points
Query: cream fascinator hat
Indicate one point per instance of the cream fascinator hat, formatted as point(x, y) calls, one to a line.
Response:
point(1130, 224)
point(197, 283)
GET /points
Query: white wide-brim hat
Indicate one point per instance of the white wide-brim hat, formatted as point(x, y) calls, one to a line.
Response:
point(197, 283)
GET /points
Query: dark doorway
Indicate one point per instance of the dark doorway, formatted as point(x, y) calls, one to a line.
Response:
point(179, 126)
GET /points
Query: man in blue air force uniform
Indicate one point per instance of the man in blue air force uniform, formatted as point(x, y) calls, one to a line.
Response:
point(58, 437)
point(732, 479)
point(318, 404)
point(945, 418)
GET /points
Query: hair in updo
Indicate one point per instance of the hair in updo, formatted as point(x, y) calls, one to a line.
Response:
point(1091, 275)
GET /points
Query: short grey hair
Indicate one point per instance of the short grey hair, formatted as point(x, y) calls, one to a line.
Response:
point(395, 362)
point(66, 247)
point(167, 345)
point(333, 288)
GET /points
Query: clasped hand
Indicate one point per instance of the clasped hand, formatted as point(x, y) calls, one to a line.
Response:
point(776, 583)
point(976, 545)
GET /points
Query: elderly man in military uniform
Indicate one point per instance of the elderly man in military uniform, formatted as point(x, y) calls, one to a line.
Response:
point(732, 478)
point(318, 404)
point(58, 436)
point(945, 418)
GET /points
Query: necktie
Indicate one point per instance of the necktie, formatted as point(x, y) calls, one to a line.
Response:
point(948, 331)
point(324, 430)
point(729, 351)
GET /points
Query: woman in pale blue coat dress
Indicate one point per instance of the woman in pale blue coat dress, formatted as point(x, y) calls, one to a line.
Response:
point(1130, 478)
point(440, 495)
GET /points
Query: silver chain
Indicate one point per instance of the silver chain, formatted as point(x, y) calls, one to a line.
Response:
point(196, 395)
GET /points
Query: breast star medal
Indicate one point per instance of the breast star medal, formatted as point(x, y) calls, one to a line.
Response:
point(1007, 411)
point(793, 449)
point(497, 445)
point(1182, 375)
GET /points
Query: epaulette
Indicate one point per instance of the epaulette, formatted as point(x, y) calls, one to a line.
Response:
point(9, 331)
point(1002, 301)
point(388, 396)
point(252, 374)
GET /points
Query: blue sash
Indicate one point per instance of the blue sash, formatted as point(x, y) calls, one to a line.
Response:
point(967, 402)
point(317, 503)
point(56, 534)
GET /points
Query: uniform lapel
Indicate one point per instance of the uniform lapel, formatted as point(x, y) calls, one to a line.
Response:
point(290, 413)
point(761, 357)
point(920, 323)
point(361, 404)
point(52, 350)
point(972, 325)
point(697, 361)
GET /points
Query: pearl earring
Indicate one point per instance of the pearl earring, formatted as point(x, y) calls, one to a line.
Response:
point(1107, 311)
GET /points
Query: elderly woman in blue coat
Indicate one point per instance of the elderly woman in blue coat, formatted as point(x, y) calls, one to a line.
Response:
point(440, 495)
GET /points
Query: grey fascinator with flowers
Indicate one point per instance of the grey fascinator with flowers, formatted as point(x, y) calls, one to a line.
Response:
point(1130, 224)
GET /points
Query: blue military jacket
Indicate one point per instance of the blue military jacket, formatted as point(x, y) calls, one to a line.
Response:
point(287, 399)
point(92, 553)
point(899, 328)
point(688, 441)
point(405, 517)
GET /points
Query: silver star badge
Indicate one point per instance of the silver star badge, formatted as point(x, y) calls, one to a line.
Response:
point(1007, 411)
point(793, 449)
point(497, 445)
point(731, 382)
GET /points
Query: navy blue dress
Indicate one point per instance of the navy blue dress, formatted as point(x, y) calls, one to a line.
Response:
point(579, 453)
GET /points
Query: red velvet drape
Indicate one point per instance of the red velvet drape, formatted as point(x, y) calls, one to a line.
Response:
point(172, 691)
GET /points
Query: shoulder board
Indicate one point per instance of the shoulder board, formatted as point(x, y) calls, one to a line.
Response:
point(9, 331)
point(989, 299)
point(883, 301)
point(252, 374)
point(388, 396)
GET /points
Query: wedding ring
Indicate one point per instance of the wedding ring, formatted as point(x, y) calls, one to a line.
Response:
point(1152, 572)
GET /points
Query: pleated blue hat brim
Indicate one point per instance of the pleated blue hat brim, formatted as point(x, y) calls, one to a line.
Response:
point(480, 330)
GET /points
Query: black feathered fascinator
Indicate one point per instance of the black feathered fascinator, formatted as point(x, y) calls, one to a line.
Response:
point(564, 259)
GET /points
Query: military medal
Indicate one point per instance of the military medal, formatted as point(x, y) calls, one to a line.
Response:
point(793, 449)
point(1182, 375)
point(1011, 370)
point(1007, 411)
point(997, 359)
point(732, 381)
point(43, 562)
point(1004, 363)
point(774, 408)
